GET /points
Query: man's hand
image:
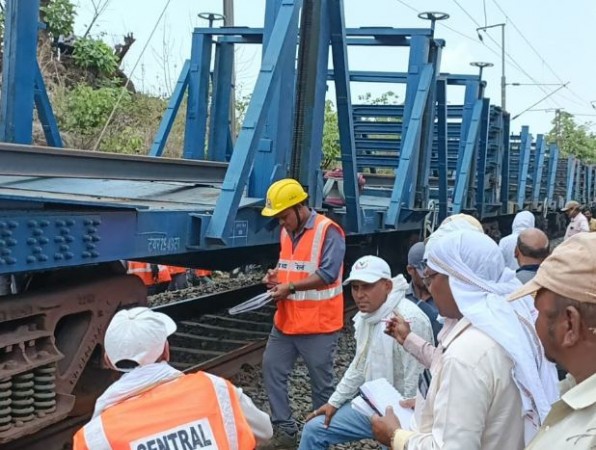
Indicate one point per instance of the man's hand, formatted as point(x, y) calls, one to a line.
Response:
point(327, 410)
point(280, 291)
point(409, 403)
point(384, 427)
point(398, 328)
point(270, 278)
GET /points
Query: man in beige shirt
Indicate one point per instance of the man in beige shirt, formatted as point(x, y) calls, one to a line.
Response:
point(565, 297)
point(487, 388)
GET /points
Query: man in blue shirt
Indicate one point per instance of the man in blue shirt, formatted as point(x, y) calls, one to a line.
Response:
point(417, 292)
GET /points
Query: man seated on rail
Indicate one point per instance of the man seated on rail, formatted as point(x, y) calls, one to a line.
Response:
point(156, 406)
point(491, 385)
point(306, 286)
point(377, 297)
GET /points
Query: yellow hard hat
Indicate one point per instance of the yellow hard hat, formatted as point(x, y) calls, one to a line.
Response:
point(282, 195)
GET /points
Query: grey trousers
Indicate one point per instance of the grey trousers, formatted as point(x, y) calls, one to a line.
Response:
point(317, 351)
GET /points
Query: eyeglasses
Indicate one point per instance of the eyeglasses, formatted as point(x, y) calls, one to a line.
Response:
point(427, 280)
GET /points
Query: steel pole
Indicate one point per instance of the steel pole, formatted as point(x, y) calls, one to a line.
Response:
point(228, 11)
point(503, 80)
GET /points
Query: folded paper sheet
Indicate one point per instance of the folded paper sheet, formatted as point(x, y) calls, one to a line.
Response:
point(376, 395)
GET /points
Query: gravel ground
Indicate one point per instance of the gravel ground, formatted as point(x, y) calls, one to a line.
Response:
point(221, 282)
point(251, 381)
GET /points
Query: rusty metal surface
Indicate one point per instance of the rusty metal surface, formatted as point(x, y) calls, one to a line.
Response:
point(49, 341)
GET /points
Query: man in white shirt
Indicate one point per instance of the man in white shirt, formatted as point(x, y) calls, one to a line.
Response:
point(577, 221)
point(378, 298)
point(491, 384)
point(565, 296)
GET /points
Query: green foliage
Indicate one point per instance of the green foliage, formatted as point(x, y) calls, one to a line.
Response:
point(386, 98)
point(573, 139)
point(331, 146)
point(86, 109)
point(59, 15)
point(95, 54)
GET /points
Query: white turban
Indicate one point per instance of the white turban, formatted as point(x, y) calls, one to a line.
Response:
point(480, 284)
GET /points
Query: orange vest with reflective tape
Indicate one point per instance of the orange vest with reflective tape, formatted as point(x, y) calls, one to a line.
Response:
point(317, 310)
point(196, 411)
point(175, 270)
point(203, 272)
point(143, 271)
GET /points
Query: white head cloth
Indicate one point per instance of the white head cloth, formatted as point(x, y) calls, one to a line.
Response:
point(523, 220)
point(457, 222)
point(480, 284)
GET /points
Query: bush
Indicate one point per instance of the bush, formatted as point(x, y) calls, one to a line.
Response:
point(85, 110)
point(95, 54)
point(59, 16)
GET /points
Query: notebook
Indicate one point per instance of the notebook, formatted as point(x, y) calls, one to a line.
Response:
point(376, 395)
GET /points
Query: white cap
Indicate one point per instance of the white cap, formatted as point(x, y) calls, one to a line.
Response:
point(137, 334)
point(369, 269)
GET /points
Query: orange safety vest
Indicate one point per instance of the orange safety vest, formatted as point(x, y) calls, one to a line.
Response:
point(203, 272)
point(175, 270)
point(316, 310)
point(143, 271)
point(198, 411)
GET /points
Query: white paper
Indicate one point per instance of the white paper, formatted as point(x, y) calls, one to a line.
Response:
point(381, 394)
point(250, 305)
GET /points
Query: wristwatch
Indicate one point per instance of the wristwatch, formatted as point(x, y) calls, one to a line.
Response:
point(292, 288)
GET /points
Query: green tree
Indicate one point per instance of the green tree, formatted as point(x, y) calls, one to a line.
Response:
point(573, 138)
point(331, 147)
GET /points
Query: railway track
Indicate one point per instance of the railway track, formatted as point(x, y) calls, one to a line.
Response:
point(217, 342)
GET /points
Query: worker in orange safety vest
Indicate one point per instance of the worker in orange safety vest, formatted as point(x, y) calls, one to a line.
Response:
point(306, 285)
point(155, 276)
point(154, 406)
point(179, 277)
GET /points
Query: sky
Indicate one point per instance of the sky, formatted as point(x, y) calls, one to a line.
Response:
point(547, 42)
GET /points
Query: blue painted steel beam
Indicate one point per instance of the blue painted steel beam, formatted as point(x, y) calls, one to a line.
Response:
point(167, 121)
point(589, 185)
point(198, 95)
point(219, 116)
point(442, 147)
point(403, 178)
point(553, 160)
point(247, 143)
point(275, 145)
point(538, 169)
point(524, 165)
point(45, 112)
point(505, 175)
point(311, 172)
point(482, 154)
point(19, 71)
point(344, 111)
point(470, 97)
point(465, 172)
point(570, 178)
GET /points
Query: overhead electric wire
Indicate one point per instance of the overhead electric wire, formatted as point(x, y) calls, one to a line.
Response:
point(536, 52)
point(123, 91)
point(440, 23)
point(515, 63)
point(511, 58)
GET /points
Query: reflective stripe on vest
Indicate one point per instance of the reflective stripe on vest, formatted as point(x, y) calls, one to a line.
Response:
point(310, 267)
point(95, 435)
point(311, 311)
point(96, 438)
point(225, 405)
